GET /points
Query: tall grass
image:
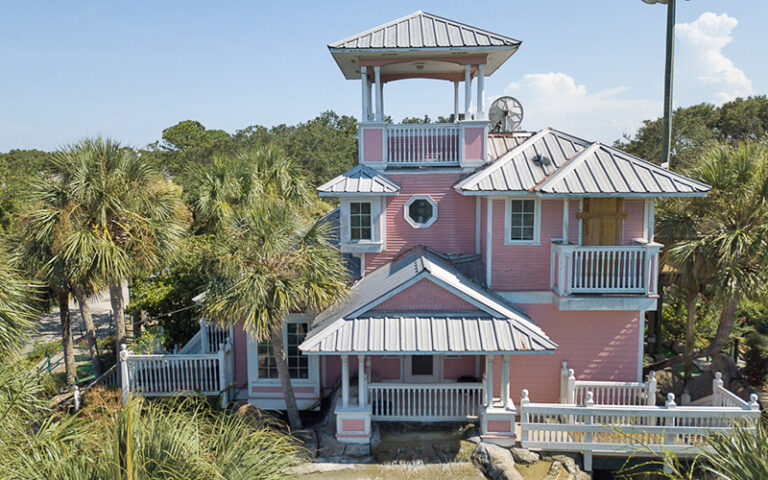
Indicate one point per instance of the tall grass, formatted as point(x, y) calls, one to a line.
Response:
point(143, 441)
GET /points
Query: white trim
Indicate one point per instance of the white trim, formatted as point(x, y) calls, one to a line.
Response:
point(640, 345)
point(581, 222)
point(412, 222)
point(488, 242)
point(376, 243)
point(522, 298)
point(437, 370)
point(478, 223)
point(536, 221)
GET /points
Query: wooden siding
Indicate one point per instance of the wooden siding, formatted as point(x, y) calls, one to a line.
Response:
point(425, 295)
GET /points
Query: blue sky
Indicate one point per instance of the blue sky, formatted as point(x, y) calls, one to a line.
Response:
point(130, 69)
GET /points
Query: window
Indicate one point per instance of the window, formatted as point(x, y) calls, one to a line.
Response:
point(522, 223)
point(420, 211)
point(422, 365)
point(298, 364)
point(360, 221)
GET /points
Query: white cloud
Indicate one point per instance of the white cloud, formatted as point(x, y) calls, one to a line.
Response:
point(556, 100)
point(704, 74)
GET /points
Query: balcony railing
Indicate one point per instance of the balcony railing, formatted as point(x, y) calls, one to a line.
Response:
point(624, 269)
point(423, 145)
point(425, 402)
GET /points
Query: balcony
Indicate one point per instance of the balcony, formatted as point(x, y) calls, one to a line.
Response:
point(583, 276)
point(461, 144)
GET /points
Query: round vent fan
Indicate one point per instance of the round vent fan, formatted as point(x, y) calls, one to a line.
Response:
point(505, 115)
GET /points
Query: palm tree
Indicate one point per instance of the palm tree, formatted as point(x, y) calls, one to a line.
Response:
point(270, 260)
point(16, 305)
point(726, 244)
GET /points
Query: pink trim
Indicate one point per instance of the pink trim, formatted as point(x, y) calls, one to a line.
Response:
point(461, 60)
point(372, 145)
point(352, 435)
point(353, 425)
point(499, 426)
point(258, 389)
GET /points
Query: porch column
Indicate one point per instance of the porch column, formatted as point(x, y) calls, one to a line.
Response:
point(505, 381)
point(566, 219)
point(345, 380)
point(489, 379)
point(379, 97)
point(480, 92)
point(366, 91)
point(467, 90)
point(362, 386)
point(649, 219)
point(456, 101)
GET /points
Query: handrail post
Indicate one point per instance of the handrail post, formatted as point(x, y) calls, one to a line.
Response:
point(124, 380)
point(669, 438)
point(651, 389)
point(204, 337)
point(524, 420)
point(564, 382)
point(222, 376)
point(717, 384)
point(588, 420)
point(753, 402)
point(571, 387)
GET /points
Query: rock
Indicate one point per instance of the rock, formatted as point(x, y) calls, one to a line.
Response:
point(554, 471)
point(699, 387)
point(375, 435)
point(523, 455)
point(473, 435)
point(583, 476)
point(327, 444)
point(357, 449)
point(496, 462)
point(568, 462)
point(723, 364)
point(668, 381)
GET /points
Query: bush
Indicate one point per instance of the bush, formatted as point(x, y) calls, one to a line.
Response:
point(756, 358)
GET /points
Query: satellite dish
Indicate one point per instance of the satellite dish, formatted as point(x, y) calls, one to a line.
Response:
point(505, 115)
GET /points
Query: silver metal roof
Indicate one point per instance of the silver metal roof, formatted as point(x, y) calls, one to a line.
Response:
point(556, 163)
point(360, 180)
point(424, 30)
point(501, 143)
point(426, 333)
point(397, 275)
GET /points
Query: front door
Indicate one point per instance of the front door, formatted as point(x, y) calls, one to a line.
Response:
point(422, 368)
point(602, 221)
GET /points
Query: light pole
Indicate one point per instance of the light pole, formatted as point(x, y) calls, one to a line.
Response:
point(668, 76)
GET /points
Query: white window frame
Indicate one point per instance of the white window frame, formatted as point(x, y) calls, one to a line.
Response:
point(437, 370)
point(361, 215)
point(253, 357)
point(376, 243)
point(408, 217)
point(536, 221)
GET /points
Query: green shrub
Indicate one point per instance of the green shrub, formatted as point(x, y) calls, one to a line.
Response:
point(756, 359)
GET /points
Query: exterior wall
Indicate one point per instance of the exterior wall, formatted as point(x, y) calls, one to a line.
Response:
point(598, 345)
point(457, 367)
point(425, 295)
point(453, 232)
point(633, 222)
point(527, 267)
point(388, 368)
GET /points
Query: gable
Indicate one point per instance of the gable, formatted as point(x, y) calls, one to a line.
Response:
point(424, 295)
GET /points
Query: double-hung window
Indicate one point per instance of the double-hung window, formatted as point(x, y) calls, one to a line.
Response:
point(522, 221)
point(360, 221)
point(298, 363)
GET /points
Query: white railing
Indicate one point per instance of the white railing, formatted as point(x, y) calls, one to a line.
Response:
point(636, 429)
point(171, 375)
point(722, 397)
point(214, 337)
point(426, 402)
point(575, 392)
point(423, 144)
point(627, 269)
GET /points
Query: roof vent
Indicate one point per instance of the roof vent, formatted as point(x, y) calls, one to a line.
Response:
point(540, 160)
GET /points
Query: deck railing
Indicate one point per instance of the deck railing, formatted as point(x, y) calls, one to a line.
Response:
point(171, 375)
point(628, 269)
point(423, 144)
point(638, 429)
point(574, 391)
point(425, 402)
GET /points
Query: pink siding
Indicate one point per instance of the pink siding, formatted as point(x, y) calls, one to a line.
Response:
point(425, 295)
point(598, 345)
point(240, 351)
point(457, 367)
point(385, 368)
point(453, 232)
point(526, 267)
point(372, 145)
point(500, 426)
point(473, 143)
point(353, 424)
point(633, 222)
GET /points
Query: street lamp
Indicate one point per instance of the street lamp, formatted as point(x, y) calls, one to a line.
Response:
point(668, 74)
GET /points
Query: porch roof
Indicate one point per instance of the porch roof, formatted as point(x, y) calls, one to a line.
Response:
point(427, 333)
point(359, 181)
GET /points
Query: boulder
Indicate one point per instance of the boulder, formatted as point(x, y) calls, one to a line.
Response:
point(725, 365)
point(496, 462)
point(357, 449)
point(327, 445)
point(523, 455)
point(568, 462)
point(699, 387)
point(473, 435)
point(668, 381)
point(554, 471)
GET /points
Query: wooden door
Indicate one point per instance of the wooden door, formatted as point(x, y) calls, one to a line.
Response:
point(602, 221)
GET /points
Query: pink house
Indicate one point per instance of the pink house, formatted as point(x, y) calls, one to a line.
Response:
point(485, 260)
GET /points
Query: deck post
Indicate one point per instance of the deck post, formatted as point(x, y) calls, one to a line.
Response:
point(564, 382)
point(489, 384)
point(669, 438)
point(566, 219)
point(361, 383)
point(345, 380)
point(571, 387)
point(753, 402)
point(222, 376)
point(124, 380)
point(651, 389)
point(717, 384)
point(589, 420)
point(204, 347)
point(505, 400)
point(524, 401)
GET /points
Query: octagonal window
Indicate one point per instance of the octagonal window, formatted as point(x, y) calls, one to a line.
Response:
point(420, 211)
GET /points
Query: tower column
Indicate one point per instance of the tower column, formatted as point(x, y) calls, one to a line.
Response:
point(366, 92)
point(467, 90)
point(379, 94)
point(480, 92)
point(456, 101)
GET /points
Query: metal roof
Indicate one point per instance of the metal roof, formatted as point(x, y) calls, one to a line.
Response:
point(360, 180)
point(501, 143)
point(424, 30)
point(429, 332)
point(556, 163)
point(399, 274)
